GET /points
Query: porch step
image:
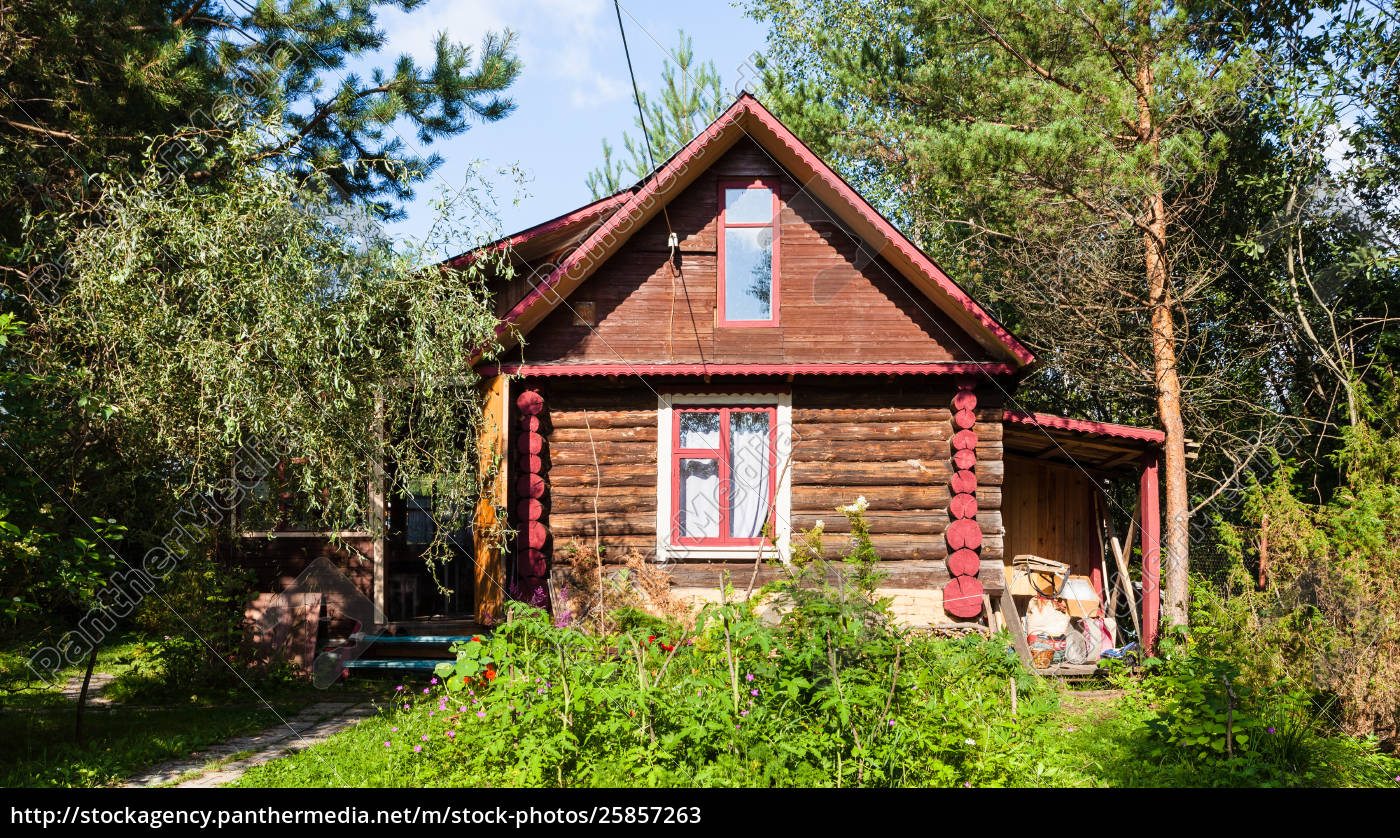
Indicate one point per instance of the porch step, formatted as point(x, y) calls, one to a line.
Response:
point(392, 665)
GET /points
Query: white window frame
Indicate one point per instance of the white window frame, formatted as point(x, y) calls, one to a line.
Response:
point(782, 495)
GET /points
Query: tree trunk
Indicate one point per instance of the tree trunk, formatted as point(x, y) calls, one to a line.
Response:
point(83, 694)
point(1168, 384)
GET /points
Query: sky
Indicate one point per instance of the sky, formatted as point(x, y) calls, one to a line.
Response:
point(573, 91)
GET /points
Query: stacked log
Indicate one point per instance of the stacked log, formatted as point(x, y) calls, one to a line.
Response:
point(530, 486)
point(962, 595)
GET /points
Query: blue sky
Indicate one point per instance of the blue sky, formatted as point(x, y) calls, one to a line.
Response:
point(573, 91)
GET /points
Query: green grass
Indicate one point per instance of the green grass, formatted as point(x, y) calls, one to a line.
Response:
point(37, 748)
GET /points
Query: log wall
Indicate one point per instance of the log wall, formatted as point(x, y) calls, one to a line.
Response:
point(886, 439)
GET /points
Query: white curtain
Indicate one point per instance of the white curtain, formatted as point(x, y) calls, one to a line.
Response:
point(749, 471)
point(699, 500)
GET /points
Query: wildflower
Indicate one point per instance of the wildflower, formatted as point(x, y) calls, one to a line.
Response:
point(967, 785)
point(405, 707)
point(430, 712)
point(491, 674)
point(1271, 730)
point(399, 688)
point(431, 681)
point(451, 734)
point(969, 741)
point(425, 691)
point(417, 749)
point(1070, 728)
point(425, 737)
point(481, 714)
point(393, 730)
point(753, 692)
point(891, 722)
point(386, 744)
point(743, 712)
point(461, 709)
point(748, 676)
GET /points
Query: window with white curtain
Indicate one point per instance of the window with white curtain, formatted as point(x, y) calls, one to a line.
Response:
point(719, 492)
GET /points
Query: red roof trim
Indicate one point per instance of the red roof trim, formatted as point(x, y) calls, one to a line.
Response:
point(1084, 426)
point(950, 368)
point(662, 178)
point(566, 220)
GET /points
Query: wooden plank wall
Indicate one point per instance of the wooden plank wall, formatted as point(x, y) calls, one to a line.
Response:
point(838, 302)
point(1049, 512)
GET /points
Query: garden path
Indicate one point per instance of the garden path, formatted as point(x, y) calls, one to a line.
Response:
point(225, 763)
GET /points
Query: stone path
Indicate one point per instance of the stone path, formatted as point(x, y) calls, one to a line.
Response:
point(74, 687)
point(222, 764)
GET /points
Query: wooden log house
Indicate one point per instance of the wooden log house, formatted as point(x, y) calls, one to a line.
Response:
point(742, 341)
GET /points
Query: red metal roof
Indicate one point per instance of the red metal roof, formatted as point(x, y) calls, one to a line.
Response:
point(1085, 426)
point(745, 113)
point(949, 368)
point(568, 219)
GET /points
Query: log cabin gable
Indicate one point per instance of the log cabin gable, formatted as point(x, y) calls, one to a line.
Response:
point(847, 287)
point(833, 298)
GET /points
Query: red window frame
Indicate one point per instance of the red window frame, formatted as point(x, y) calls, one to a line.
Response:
point(721, 454)
point(773, 225)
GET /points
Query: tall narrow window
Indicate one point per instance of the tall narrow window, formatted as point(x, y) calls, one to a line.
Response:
point(748, 253)
point(723, 464)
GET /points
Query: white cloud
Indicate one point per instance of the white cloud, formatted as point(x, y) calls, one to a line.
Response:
point(567, 42)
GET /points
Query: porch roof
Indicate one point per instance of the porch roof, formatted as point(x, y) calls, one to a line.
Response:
point(1104, 446)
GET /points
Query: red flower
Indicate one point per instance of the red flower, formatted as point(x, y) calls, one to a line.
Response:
point(651, 639)
point(491, 673)
point(667, 646)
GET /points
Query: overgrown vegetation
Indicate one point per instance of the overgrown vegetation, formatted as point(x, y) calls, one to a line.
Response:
point(815, 687)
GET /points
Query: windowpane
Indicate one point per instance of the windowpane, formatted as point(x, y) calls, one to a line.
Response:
point(748, 273)
point(749, 473)
point(748, 206)
point(699, 429)
point(698, 511)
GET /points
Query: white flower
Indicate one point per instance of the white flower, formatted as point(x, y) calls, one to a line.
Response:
point(969, 741)
point(818, 526)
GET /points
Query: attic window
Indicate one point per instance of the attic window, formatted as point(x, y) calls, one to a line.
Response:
point(748, 253)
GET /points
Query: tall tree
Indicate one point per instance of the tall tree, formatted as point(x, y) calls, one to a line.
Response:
point(97, 95)
point(1065, 134)
point(690, 99)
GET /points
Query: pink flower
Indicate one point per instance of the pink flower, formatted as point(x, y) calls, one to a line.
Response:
point(399, 688)
point(481, 714)
point(431, 681)
point(393, 730)
point(753, 692)
point(417, 748)
point(425, 737)
point(425, 691)
point(386, 744)
point(451, 734)
point(748, 676)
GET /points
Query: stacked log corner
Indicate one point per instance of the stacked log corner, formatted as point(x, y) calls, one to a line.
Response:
point(530, 490)
point(962, 595)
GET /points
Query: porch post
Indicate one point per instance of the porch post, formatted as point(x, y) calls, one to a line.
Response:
point(377, 525)
point(1150, 516)
point(488, 592)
